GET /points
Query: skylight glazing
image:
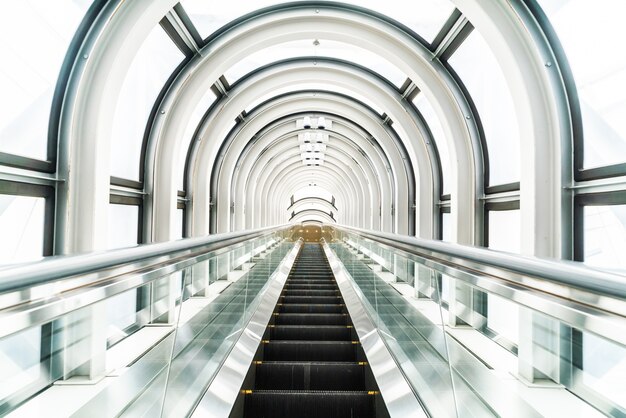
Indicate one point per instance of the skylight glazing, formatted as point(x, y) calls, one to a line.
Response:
point(155, 61)
point(201, 108)
point(481, 74)
point(434, 124)
point(425, 17)
point(317, 87)
point(592, 34)
point(34, 38)
point(317, 48)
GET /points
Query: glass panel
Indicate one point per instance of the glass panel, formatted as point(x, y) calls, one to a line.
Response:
point(592, 34)
point(20, 355)
point(434, 124)
point(605, 236)
point(123, 226)
point(604, 362)
point(415, 337)
point(205, 330)
point(481, 74)
point(201, 108)
point(22, 226)
point(178, 223)
point(504, 235)
point(317, 86)
point(505, 230)
point(34, 37)
point(121, 314)
point(312, 191)
point(155, 61)
point(604, 368)
point(324, 48)
point(426, 17)
point(446, 235)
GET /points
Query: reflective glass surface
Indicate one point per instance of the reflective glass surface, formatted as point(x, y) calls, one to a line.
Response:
point(34, 37)
point(20, 356)
point(504, 235)
point(426, 17)
point(351, 92)
point(592, 34)
point(312, 191)
point(121, 311)
point(481, 74)
point(201, 108)
point(22, 226)
point(123, 226)
point(178, 224)
point(434, 124)
point(605, 236)
point(154, 62)
point(604, 368)
point(321, 48)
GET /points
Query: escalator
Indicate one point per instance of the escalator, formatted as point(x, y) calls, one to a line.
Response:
point(310, 362)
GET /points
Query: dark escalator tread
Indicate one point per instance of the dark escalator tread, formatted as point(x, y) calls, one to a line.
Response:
point(311, 332)
point(312, 299)
point(306, 404)
point(308, 308)
point(309, 351)
point(310, 376)
point(314, 292)
point(309, 286)
point(311, 319)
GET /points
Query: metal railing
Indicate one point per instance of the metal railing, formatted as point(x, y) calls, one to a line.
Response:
point(583, 297)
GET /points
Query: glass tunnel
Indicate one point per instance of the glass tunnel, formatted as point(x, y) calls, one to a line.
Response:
point(313, 208)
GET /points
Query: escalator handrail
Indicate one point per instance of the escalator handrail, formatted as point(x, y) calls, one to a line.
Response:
point(501, 264)
point(49, 269)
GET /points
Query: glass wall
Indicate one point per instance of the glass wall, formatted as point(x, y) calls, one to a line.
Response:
point(434, 124)
point(426, 17)
point(321, 48)
point(602, 368)
point(196, 117)
point(605, 236)
point(34, 37)
point(481, 74)
point(504, 235)
point(22, 222)
point(592, 35)
point(20, 358)
point(123, 226)
point(155, 61)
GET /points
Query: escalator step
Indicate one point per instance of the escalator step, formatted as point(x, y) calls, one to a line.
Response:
point(308, 286)
point(309, 351)
point(310, 376)
point(308, 308)
point(312, 299)
point(311, 332)
point(311, 319)
point(307, 292)
point(266, 404)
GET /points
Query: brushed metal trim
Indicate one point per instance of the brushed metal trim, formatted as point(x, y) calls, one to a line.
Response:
point(396, 392)
point(224, 389)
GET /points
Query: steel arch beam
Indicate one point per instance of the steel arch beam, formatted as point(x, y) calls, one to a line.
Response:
point(365, 154)
point(381, 37)
point(270, 145)
point(321, 102)
point(422, 159)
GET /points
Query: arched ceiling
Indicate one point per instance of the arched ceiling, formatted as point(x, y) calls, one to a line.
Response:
point(269, 70)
